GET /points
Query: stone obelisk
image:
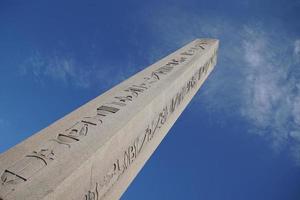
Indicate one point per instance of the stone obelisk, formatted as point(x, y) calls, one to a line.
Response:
point(96, 151)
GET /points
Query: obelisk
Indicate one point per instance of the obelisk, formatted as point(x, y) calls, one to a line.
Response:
point(96, 151)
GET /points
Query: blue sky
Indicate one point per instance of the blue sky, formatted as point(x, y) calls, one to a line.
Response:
point(238, 139)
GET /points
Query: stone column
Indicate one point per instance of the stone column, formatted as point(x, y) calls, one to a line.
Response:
point(96, 151)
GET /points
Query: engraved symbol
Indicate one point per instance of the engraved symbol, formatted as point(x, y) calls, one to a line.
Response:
point(92, 195)
point(74, 133)
point(95, 120)
point(201, 44)
point(8, 181)
point(24, 169)
point(106, 110)
point(44, 155)
point(140, 146)
point(152, 79)
point(173, 62)
point(182, 59)
point(187, 53)
point(149, 133)
point(164, 115)
point(9, 177)
point(124, 98)
point(135, 91)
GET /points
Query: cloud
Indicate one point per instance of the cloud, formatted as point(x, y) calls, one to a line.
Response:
point(257, 77)
point(297, 49)
point(270, 97)
point(70, 72)
point(56, 68)
point(269, 91)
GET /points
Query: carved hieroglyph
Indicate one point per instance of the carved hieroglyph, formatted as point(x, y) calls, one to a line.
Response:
point(95, 152)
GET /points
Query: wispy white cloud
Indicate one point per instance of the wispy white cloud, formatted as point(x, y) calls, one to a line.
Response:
point(297, 49)
point(57, 68)
point(67, 71)
point(270, 97)
point(268, 91)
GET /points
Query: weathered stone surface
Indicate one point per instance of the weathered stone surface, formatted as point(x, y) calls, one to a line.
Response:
point(95, 152)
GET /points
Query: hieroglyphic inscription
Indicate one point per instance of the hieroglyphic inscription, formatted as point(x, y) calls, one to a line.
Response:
point(131, 153)
point(35, 161)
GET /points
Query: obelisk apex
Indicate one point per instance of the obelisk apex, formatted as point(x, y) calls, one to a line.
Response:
point(96, 151)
